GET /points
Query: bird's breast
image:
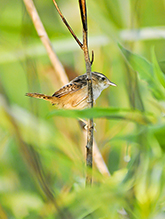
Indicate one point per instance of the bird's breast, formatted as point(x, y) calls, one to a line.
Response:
point(96, 93)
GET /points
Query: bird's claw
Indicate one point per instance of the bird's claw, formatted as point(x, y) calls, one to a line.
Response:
point(86, 126)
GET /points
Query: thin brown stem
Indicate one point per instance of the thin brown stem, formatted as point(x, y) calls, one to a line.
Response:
point(67, 25)
point(92, 57)
point(89, 151)
point(45, 40)
point(83, 14)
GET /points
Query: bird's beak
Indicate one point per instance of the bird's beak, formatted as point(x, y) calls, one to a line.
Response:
point(112, 84)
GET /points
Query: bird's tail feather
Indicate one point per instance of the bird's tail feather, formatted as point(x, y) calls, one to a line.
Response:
point(43, 96)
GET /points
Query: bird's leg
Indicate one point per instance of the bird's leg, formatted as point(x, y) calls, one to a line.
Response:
point(85, 125)
point(90, 101)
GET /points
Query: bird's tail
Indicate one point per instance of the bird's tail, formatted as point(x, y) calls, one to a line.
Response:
point(43, 96)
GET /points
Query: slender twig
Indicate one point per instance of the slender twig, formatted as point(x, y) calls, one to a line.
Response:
point(92, 57)
point(98, 158)
point(89, 151)
point(67, 25)
point(45, 40)
point(83, 12)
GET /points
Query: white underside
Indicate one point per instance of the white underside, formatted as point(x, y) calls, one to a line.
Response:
point(96, 94)
point(97, 90)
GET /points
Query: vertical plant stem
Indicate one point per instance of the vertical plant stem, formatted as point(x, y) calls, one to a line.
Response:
point(45, 40)
point(89, 146)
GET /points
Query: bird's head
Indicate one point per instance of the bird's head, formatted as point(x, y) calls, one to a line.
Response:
point(101, 80)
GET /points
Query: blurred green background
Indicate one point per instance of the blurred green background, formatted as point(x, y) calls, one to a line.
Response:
point(40, 156)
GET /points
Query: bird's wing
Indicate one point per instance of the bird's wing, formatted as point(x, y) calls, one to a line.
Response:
point(76, 99)
point(67, 89)
point(75, 85)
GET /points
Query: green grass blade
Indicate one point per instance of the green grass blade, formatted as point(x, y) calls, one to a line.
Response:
point(109, 113)
point(145, 71)
point(157, 70)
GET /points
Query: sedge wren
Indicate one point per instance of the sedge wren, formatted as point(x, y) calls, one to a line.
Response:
point(74, 95)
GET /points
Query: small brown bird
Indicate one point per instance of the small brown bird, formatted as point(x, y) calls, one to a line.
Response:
point(74, 95)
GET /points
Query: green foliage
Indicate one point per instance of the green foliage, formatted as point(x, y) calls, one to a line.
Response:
point(108, 113)
point(42, 149)
point(157, 71)
point(152, 75)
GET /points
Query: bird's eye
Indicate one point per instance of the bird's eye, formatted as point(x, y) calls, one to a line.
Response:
point(103, 79)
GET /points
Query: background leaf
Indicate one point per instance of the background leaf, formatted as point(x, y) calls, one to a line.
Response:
point(145, 71)
point(159, 74)
point(109, 113)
